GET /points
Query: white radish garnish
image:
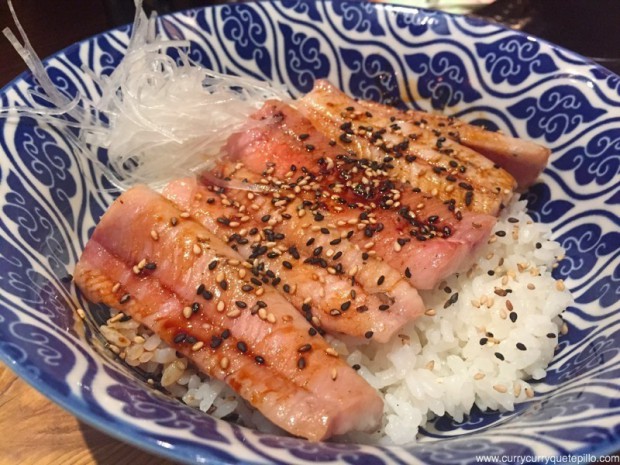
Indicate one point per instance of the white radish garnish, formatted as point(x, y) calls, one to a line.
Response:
point(157, 118)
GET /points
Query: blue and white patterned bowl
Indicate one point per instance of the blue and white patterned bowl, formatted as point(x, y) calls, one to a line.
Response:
point(475, 70)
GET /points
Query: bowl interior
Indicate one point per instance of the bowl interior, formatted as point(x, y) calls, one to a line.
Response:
point(51, 200)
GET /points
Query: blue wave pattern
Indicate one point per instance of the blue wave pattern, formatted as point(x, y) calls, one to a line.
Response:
point(558, 111)
point(442, 79)
point(244, 27)
point(304, 61)
point(418, 25)
point(379, 52)
point(359, 17)
point(500, 62)
point(372, 76)
point(598, 161)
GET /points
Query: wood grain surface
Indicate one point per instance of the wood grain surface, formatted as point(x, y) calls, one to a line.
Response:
point(35, 431)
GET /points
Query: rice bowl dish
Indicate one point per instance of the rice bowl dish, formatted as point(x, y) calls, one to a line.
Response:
point(412, 353)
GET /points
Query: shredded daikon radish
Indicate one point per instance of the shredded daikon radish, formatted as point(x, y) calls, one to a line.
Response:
point(157, 118)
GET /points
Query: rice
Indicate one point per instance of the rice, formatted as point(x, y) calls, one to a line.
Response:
point(487, 335)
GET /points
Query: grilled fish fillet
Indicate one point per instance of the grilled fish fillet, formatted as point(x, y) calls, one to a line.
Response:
point(328, 300)
point(256, 342)
point(429, 160)
point(421, 237)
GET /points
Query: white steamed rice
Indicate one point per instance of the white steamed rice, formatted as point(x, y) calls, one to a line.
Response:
point(444, 363)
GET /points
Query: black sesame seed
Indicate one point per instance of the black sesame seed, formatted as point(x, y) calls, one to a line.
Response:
point(551, 335)
point(302, 137)
point(513, 316)
point(304, 348)
point(500, 233)
point(226, 334)
point(337, 255)
point(483, 341)
point(150, 266)
point(368, 334)
point(241, 304)
point(261, 304)
point(207, 295)
point(287, 264)
point(224, 285)
point(316, 252)
point(356, 366)
point(247, 288)
point(216, 341)
point(242, 346)
point(301, 363)
point(260, 360)
point(362, 309)
point(383, 307)
point(538, 245)
point(324, 231)
point(499, 356)
point(180, 338)
point(213, 265)
point(521, 346)
point(407, 272)
point(310, 242)
point(265, 218)
point(200, 289)
point(190, 339)
point(195, 307)
point(381, 280)
point(312, 332)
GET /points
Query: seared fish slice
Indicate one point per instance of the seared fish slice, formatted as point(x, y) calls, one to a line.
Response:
point(427, 159)
point(328, 300)
point(523, 159)
point(423, 238)
point(260, 345)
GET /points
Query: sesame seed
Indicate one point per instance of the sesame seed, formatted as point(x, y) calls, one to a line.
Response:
point(220, 306)
point(124, 299)
point(331, 352)
point(234, 313)
point(81, 313)
point(197, 249)
point(196, 347)
point(187, 312)
point(154, 235)
point(430, 312)
point(304, 348)
point(478, 376)
point(500, 388)
point(224, 363)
